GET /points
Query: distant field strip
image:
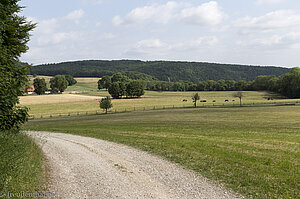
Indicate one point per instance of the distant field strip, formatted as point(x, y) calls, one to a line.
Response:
point(55, 99)
point(74, 104)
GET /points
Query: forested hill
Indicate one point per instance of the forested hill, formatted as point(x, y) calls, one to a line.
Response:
point(162, 70)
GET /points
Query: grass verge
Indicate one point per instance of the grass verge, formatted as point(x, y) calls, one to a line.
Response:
point(20, 164)
point(252, 150)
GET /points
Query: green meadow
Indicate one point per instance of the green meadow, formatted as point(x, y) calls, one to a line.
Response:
point(254, 151)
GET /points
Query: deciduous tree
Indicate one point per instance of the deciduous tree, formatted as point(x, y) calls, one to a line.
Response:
point(135, 89)
point(58, 83)
point(195, 98)
point(106, 104)
point(104, 82)
point(70, 79)
point(239, 95)
point(14, 35)
point(40, 86)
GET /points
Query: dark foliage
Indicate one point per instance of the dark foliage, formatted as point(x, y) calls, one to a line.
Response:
point(58, 83)
point(40, 86)
point(161, 70)
point(14, 35)
point(70, 79)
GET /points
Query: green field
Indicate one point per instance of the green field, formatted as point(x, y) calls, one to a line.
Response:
point(252, 150)
point(150, 100)
point(48, 105)
point(21, 165)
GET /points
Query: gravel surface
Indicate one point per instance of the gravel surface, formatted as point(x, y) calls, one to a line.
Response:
point(82, 167)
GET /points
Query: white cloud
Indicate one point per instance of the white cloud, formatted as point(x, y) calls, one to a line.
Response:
point(57, 38)
point(92, 2)
point(75, 16)
point(274, 42)
point(157, 48)
point(261, 2)
point(150, 43)
point(205, 14)
point(200, 43)
point(271, 21)
point(46, 26)
point(157, 13)
point(54, 31)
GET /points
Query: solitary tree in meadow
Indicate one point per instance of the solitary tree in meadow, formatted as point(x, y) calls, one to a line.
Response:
point(195, 98)
point(239, 95)
point(106, 104)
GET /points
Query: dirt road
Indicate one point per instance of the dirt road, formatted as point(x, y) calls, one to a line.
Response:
point(82, 167)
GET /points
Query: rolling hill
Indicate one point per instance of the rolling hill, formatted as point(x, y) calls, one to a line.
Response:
point(162, 70)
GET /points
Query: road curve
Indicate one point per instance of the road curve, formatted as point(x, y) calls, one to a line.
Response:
point(82, 167)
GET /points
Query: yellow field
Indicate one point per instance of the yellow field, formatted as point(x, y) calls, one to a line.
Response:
point(55, 99)
point(86, 102)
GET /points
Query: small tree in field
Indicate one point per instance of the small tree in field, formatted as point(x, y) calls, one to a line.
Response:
point(106, 104)
point(239, 95)
point(195, 98)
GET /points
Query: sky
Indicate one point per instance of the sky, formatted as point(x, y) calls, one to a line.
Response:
point(251, 32)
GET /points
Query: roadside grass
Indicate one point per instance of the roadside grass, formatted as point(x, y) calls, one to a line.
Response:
point(254, 151)
point(21, 164)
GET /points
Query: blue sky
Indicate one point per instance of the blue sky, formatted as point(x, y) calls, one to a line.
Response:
point(256, 32)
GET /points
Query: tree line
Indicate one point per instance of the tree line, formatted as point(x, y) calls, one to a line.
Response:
point(59, 83)
point(173, 71)
point(120, 85)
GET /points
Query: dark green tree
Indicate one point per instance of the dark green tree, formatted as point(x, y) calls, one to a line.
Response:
point(117, 90)
point(58, 83)
point(261, 82)
point(195, 98)
point(135, 89)
point(14, 35)
point(40, 86)
point(106, 104)
point(114, 90)
point(119, 77)
point(71, 80)
point(104, 82)
point(289, 84)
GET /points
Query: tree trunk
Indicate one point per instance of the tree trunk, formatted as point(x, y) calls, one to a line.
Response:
point(240, 101)
point(106, 111)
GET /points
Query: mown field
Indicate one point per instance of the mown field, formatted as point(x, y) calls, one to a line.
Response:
point(21, 165)
point(252, 150)
point(82, 98)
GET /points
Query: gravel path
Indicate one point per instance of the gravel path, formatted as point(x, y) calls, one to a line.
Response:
point(82, 167)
